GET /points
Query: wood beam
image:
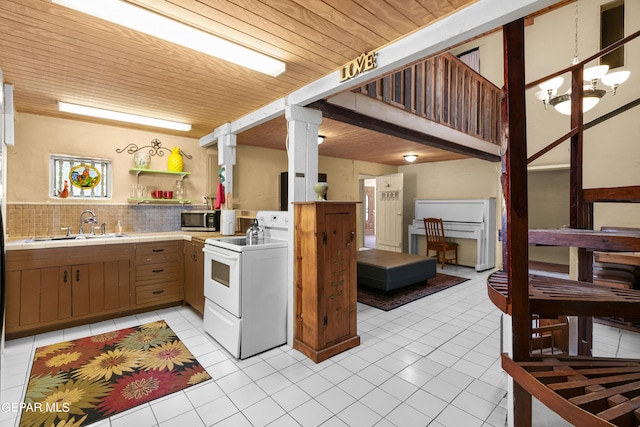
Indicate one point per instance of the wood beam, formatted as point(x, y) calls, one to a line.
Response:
point(589, 239)
point(514, 119)
point(517, 215)
point(628, 194)
point(351, 117)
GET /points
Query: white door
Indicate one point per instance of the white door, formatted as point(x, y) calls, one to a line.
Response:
point(389, 212)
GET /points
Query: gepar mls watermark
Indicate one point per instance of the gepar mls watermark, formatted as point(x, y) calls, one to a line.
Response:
point(35, 407)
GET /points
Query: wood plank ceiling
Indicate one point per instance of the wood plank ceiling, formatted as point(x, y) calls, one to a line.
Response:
point(51, 53)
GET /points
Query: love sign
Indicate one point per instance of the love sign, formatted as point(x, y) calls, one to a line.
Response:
point(362, 63)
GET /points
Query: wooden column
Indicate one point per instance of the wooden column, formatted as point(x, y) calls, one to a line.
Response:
point(515, 191)
point(580, 215)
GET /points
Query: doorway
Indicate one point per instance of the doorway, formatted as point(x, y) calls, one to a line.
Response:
point(380, 217)
point(369, 212)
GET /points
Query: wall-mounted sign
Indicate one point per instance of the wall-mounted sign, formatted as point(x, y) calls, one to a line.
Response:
point(364, 62)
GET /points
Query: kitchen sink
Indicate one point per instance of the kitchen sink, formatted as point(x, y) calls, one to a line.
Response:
point(75, 237)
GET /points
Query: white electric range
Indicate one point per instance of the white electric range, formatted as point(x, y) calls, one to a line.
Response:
point(245, 288)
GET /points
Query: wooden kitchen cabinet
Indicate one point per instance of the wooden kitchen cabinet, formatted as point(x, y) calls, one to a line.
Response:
point(50, 288)
point(325, 278)
point(193, 259)
point(158, 273)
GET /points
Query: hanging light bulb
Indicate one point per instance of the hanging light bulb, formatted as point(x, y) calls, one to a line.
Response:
point(615, 79)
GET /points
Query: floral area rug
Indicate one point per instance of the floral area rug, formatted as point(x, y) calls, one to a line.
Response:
point(75, 383)
point(389, 301)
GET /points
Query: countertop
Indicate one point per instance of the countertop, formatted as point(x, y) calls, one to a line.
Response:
point(21, 243)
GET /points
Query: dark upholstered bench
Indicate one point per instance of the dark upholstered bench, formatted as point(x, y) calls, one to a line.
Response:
point(388, 271)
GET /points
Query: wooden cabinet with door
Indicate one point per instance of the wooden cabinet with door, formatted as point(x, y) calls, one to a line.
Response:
point(51, 288)
point(325, 278)
point(194, 274)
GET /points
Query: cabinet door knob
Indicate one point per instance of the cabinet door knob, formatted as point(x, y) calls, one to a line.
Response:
point(64, 278)
point(157, 250)
point(160, 270)
point(353, 235)
point(157, 292)
point(77, 275)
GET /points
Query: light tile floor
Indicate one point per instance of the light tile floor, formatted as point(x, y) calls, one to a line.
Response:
point(433, 362)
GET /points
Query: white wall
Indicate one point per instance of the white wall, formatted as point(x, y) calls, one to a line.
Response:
point(37, 137)
point(549, 208)
point(611, 149)
point(455, 179)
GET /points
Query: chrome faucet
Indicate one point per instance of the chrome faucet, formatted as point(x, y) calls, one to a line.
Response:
point(90, 220)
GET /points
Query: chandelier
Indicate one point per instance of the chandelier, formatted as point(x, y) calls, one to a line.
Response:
point(591, 93)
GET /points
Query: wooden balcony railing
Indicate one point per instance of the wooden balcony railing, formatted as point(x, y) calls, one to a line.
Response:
point(445, 90)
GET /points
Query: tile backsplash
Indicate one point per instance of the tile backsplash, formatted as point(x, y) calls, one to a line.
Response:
point(30, 219)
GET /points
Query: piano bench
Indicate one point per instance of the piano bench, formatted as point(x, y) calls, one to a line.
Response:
point(387, 271)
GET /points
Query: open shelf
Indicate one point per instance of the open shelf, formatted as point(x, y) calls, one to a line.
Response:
point(139, 171)
point(159, 201)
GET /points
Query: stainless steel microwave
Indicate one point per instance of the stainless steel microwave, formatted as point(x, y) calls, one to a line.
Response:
point(200, 220)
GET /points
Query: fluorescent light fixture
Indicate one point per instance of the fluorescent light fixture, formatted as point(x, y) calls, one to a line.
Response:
point(151, 23)
point(410, 158)
point(121, 117)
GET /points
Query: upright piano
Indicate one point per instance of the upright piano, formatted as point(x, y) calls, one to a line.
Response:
point(463, 219)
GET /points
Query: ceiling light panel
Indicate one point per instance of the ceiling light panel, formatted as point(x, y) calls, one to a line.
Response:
point(121, 117)
point(151, 23)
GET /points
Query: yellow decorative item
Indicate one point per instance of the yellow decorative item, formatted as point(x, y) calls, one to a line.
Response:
point(175, 162)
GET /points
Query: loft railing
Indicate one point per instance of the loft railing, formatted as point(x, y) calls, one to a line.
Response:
point(445, 90)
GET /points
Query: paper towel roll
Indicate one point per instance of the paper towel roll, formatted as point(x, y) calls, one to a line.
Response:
point(228, 222)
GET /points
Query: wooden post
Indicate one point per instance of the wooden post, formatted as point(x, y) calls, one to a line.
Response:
point(579, 213)
point(517, 224)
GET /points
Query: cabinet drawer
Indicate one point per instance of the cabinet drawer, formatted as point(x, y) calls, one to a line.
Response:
point(155, 252)
point(155, 273)
point(158, 293)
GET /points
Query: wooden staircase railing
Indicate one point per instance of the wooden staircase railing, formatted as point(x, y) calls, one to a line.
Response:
point(604, 399)
point(445, 90)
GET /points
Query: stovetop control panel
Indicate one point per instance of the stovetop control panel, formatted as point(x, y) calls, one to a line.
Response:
point(273, 219)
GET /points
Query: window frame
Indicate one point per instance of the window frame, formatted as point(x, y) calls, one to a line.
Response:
point(612, 29)
point(58, 174)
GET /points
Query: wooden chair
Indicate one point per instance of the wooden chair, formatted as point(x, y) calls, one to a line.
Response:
point(549, 337)
point(436, 241)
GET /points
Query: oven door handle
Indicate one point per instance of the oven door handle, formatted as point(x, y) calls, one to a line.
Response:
point(218, 254)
